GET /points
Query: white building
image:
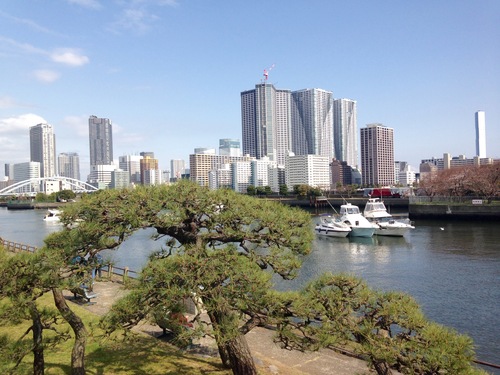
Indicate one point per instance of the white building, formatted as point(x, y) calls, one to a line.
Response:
point(241, 175)
point(481, 134)
point(312, 170)
point(120, 179)
point(345, 131)
point(177, 168)
point(220, 177)
point(27, 171)
point(101, 175)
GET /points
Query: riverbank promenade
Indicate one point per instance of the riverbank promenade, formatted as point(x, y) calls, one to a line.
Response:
point(268, 356)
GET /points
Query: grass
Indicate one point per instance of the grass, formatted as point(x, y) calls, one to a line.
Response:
point(138, 354)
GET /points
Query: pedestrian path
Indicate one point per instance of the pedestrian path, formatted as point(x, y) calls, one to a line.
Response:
point(268, 356)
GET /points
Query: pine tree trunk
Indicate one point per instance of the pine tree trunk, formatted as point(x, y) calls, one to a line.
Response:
point(78, 353)
point(234, 353)
point(382, 368)
point(37, 328)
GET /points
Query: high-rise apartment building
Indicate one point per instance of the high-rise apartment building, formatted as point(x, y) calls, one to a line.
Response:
point(69, 165)
point(377, 155)
point(43, 149)
point(345, 130)
point(265, 116)
point(312, 123)
point(481, 134)
point(100, 141)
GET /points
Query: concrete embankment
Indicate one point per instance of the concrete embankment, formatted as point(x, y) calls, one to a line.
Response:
point(454, 211)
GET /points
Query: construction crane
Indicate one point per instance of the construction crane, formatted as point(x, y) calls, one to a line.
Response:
point(266, 72)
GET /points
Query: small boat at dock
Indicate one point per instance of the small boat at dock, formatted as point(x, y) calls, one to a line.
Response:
point(376, 212)
point(332, 227)
point(360, 226)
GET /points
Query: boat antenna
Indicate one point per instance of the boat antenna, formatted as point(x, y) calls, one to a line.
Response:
point(333, 208)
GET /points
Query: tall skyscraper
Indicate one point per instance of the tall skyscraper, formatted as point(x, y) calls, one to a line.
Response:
point(377, 155)
point(69, 165)
point(100, 141)
point(345, 130)
point(265, 116)
point(43, 149)
point(312, 123)
point(481, 134)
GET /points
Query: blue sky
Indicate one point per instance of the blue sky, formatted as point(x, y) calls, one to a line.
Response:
point(169, 73)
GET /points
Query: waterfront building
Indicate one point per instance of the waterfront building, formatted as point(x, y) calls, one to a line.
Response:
point(9, 171)
point(312, 170)
point(177, 168)
point(69, 165)
point(27, 171)
point(150, 172)
point(480, 134)
point(265, 118)
point(312, 123)
point(100, 141)
point(345, 130)
point(377, 155)
point(230, 147)
point(132, 165)
point(43, 149)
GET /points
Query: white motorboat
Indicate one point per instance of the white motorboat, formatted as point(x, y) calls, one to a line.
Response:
point(332, 227)
point(360, 226)
point(376, 212)
point(52, 215)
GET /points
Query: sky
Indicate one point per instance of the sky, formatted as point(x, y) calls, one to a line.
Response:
point(169, 73)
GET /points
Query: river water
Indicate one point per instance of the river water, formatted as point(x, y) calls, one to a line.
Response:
point(451, 268)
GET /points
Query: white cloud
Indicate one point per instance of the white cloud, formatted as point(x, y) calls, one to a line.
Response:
point(78, 125)
point(46, 76)
point(14, 137)
point(70, 57)
point(91, 4)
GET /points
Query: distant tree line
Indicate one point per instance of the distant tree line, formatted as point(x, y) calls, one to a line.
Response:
point(467, 181)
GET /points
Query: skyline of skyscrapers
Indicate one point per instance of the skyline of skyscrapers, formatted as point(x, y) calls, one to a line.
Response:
point(100, 141)
point(43, 149)
point(480, 134)
point(377, 155)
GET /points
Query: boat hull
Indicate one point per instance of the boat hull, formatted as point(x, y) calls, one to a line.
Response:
point(362, 232)
point(329, 232)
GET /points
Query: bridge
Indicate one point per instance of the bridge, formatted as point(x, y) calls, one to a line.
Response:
point(37, 185)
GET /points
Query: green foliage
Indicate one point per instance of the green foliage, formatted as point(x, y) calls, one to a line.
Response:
point(388, 329)
point(283, 190)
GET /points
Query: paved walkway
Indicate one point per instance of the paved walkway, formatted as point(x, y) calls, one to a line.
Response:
point(268, 356)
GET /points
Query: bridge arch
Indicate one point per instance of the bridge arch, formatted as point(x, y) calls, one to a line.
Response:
point(37, 185)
